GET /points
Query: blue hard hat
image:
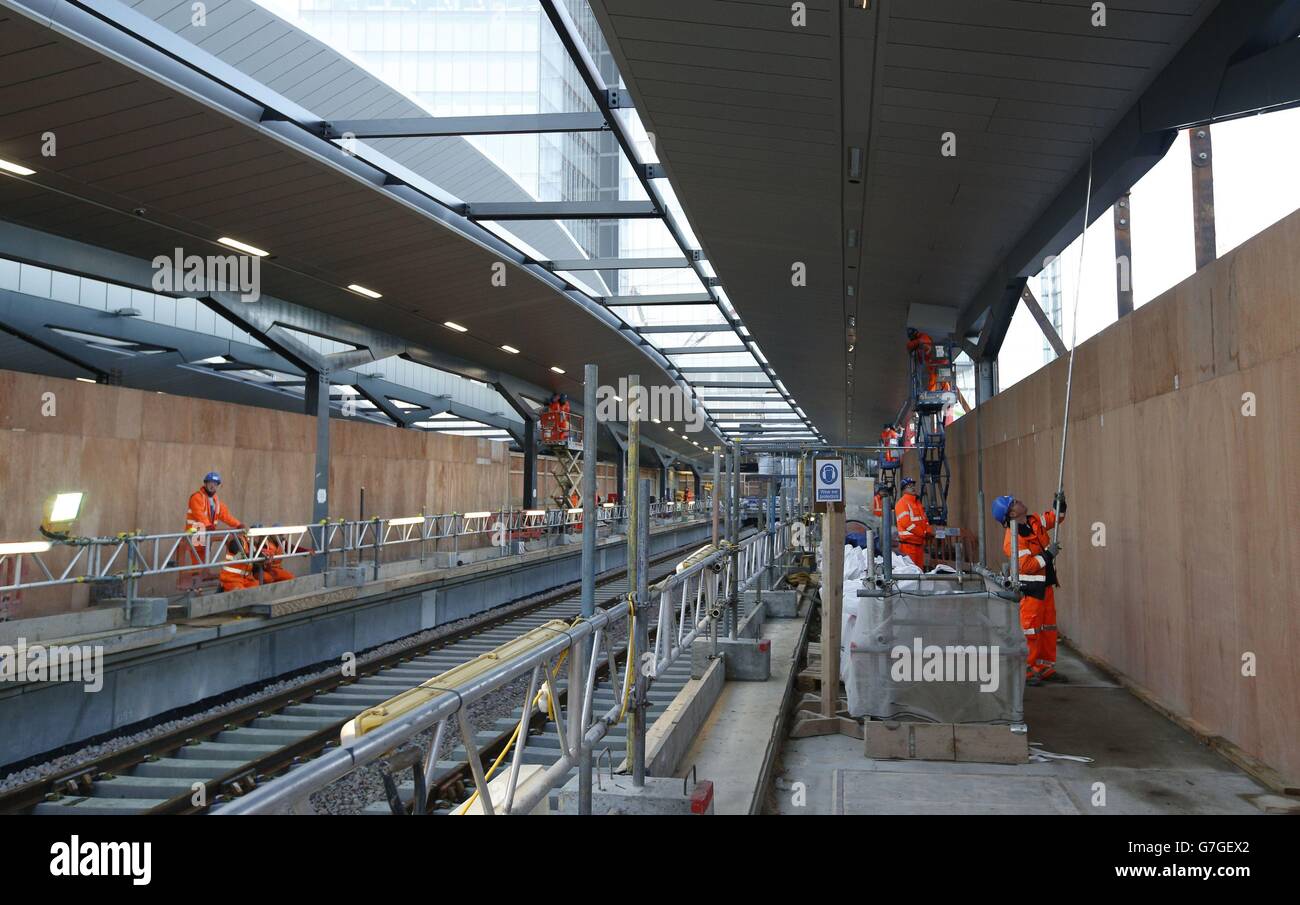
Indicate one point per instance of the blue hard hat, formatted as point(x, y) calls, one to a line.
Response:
point(1002, 507)
point(907, 482)
point(212, 476)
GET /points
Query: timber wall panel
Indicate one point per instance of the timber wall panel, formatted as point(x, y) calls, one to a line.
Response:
point(1198, 501)
point(139, 455)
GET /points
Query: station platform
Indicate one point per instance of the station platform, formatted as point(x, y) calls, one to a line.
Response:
point(1142, 763)
point(219, 645)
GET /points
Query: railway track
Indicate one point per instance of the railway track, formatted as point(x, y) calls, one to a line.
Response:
point(230, 753)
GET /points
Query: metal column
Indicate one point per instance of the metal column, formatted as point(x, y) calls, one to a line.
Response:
point(717, 490)
point(591, 427)
point(981, 528)
point(1203, 196)
point(642, 693)
point(317, 403)
point(733, 603)
point(530, 463)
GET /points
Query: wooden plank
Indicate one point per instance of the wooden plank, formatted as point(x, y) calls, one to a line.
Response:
point(832, 591)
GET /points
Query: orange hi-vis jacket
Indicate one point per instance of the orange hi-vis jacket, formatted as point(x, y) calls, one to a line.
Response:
point(1032, 565)
point(205, 511)
point(889, 438)
point(922, 342)
point(237, 575)
point(913, 526)
point(877, 506)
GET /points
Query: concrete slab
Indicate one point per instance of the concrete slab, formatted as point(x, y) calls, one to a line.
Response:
point(871, 792)
point(732, 748)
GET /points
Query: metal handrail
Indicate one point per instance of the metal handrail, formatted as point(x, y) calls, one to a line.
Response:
point(682, 618)
point(133, 556)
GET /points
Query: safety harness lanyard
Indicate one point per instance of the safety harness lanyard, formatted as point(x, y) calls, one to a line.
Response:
point(1069, 371)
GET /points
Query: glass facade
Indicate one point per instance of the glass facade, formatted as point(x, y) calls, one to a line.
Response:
point(479, 58)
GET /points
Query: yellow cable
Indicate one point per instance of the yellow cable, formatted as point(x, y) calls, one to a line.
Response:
point(514, 736)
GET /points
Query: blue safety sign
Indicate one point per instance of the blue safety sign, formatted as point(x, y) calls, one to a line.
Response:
point(829, 480)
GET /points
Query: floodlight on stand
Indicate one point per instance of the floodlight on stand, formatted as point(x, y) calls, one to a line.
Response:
point(61, 513)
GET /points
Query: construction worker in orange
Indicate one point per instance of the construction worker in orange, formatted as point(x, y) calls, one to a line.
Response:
point(921, 347)
point(272, 571)
point(913, 525)
point(1036, 565)
point(235, 576)
point(205, 510)
point(889, 439)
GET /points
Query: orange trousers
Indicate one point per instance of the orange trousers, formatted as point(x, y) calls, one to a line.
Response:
point(276, 572)
point(914, 552)
point(232, 582)
point(1038, 619)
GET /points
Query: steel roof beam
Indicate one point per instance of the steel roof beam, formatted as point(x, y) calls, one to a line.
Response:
point(561, 210)
point(685, 328)
point(706, 350)
point(679, 298)
point(575, 265)
point(433, 126)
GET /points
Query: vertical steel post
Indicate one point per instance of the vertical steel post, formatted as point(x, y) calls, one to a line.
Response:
point(317, 403)
point(530, 463)
point(642, 634)
point(733, 601)
point(1203, 196)
point(633, 469)
point(798, 490)
point(717, 489)
point(590, 442)
point(1124, 254)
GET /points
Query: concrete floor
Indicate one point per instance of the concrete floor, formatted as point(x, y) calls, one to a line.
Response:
point(732, 745)
point(1144, 764)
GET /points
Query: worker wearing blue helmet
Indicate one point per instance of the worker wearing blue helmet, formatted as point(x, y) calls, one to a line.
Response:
point(1036, 565)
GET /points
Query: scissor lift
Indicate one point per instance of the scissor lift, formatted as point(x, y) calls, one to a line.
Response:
point(930, 408)
point(562, 437)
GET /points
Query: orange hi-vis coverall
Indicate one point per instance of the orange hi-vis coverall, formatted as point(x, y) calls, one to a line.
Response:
point(1038, 578)
point(913, 528)
point(272, 571)
point(236, 576)
point(202, 515)
point(889, 437)
point(923, 348)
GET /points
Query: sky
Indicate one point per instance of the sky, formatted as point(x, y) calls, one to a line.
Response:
point(1256, 183)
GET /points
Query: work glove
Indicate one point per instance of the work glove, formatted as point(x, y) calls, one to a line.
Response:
point(1053, 550)
point(1059, 501)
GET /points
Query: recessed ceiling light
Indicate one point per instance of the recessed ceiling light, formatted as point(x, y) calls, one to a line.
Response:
point(557, 370)
point(455, 326)
point(16, 168)
point(87, 380)
point(362, 290)
point(671, 429)
point(243, 246)
point(656, 421)
point(511, 349)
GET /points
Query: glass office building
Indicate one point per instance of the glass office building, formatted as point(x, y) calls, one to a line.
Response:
point(481, 58)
